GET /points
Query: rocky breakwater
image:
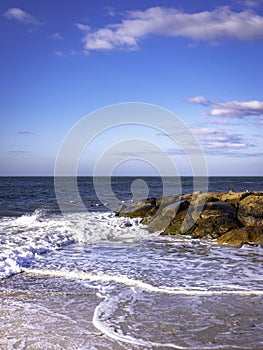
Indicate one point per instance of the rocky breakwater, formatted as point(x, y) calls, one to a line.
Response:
point(232, 218)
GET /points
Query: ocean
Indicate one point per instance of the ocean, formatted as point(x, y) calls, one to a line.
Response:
point(82, 278)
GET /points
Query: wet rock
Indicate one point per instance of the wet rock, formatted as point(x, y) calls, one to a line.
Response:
point(162, 221)
point(177, 226)
point(120, 208)
point(172, 209)
point(159, 223)
point(167, 200)
point(242, 235)
point(137, 208)
point(151, 201)
point(213, 215)
point(217, 208)
point(250, 210)
point(214, 226)
point(259, 240)
point(126, 224)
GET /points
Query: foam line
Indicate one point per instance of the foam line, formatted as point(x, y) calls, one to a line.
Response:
point(112, 333)
point(126, 338)
point(136, 283)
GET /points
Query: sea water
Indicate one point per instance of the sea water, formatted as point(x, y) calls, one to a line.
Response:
point(91, 280)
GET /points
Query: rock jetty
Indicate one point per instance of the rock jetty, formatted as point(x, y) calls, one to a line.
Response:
point(232, 218)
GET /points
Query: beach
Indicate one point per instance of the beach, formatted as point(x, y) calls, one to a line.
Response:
point(93, 280)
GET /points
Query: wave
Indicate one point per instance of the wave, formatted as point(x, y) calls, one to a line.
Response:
point(26, 237)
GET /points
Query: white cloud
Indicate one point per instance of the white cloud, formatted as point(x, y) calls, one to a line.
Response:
point(237, 109)
point(15, 13)
point(206, 25)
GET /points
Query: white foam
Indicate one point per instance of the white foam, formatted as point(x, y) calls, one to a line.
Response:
point(23, 238)
point(102, 277)
point(125, 338)
point(95, 227)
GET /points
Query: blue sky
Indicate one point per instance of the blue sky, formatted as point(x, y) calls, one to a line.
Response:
point(62, 60)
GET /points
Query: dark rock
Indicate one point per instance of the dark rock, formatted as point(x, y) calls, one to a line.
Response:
point(177, 225)
point(151, 201)
point(242, 235)
point(169, 216)
point(259, 240)
point(159, 223)
point(213, 215)
point(135, 212)
point(167, 200)
point(126, 224)
point(218, 208)
point(250, 211)
point(120, 208)
point(214, 226)
point(172, 209)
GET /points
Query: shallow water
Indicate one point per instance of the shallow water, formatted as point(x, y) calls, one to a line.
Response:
point(87, 281)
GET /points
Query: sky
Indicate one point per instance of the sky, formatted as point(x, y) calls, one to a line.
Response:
point(63, 60)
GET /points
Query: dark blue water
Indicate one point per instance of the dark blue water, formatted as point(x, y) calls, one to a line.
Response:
point(20, 195)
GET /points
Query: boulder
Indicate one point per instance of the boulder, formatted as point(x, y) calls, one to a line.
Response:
point(214, 196)
point(234, 197)
point(159, 223)
point(259, 240)
point(242, 235)
point(214, 226)
point(218, 208)
point(166, 200)
point(250, 210)
point(176, 226)
point(138, 212)
point(172, 209)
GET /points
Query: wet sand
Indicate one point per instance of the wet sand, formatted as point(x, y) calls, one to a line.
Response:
point(41, 312)
point(49, 313)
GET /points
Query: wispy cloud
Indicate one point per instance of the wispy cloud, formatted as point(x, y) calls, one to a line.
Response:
point(24, 132)
point(19, 152)
point(206, 25)
point(57, 36)
point(250, 3)
point(60, 53)
point(110, 11)
point(200, 100)
point(82, 27)
point(237, 109)
point(17, 14)
point(218, 139)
